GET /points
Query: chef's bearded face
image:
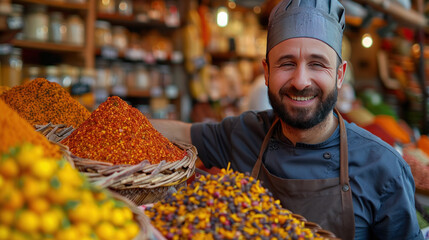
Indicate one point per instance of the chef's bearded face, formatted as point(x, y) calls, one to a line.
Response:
point(301, 119)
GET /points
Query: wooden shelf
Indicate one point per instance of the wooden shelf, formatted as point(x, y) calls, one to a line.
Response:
point(407, 16)
point(226, 56)
point(50, 3)
point(357, 21)
point(131, 21)
point(48, 46)
point(138, 93)
point(87, 12)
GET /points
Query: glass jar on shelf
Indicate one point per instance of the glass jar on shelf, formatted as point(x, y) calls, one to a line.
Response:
point(120, 38)
point(106, 6)
point(142, 80)
point(103, 74)
point(125, 7)
point(31, 73)
point(119, 87)
point(75, 30)
point(68, 76)
point(102, 81)
point(57, 28)
point(172, 14)
point(15, 19)
point(11, 68)
point(5, 7)
point(83, 90)
point(103, 34)
point(53, 74)
point(36, 23)
point(5, 49)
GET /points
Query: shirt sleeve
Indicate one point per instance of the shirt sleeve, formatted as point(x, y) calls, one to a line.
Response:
point(396, 217)
point(235, 139)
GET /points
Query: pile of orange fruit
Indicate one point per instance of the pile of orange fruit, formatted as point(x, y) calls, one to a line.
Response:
point(46, 198)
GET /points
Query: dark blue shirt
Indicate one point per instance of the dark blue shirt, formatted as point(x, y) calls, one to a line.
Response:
point(380, 179)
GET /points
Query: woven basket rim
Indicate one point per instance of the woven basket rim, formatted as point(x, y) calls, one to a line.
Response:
point(144, 176)
point(149, 175)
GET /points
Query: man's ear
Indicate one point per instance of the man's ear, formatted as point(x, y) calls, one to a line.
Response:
point(341, 73)
point(266, 71)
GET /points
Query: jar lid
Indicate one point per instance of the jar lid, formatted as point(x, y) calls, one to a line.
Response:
point(119, 29)
point(52, 70)
point(102, 24)
point(17, 8)
point(56, 14)
point(16, 51)
point(37, 8)
point(74, 17)
point(5, 49)
point(89, 72)
point(34, 70)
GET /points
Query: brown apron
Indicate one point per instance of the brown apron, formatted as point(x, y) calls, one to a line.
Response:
point(327, 202)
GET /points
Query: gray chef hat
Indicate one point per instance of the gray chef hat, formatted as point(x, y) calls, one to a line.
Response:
point(320, 19)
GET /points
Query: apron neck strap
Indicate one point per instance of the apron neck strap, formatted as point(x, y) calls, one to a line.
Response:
point(255, 170)
point(344, 166)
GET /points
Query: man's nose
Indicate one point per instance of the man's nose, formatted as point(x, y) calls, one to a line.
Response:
point(301, 78)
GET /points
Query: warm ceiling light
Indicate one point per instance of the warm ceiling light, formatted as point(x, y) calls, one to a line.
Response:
point(222, 17)
point(367, 40)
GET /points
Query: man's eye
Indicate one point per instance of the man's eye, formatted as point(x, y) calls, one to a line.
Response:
point(287, 64)
point(316, 64)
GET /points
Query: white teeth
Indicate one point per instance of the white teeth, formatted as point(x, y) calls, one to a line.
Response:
point(302, 98)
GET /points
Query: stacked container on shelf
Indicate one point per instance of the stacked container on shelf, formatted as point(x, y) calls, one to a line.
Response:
point(42, 25)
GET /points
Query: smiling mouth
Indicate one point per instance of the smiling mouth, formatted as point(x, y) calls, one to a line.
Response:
point(299, 98)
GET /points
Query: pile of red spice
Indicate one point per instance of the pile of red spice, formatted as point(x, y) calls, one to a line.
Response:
point(119, 133)
point(41, 102)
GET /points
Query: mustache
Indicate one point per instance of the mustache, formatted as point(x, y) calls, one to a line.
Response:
point(292, 91)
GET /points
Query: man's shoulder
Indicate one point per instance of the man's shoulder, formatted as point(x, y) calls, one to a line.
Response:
point(372, 153)
point(259, 119)
point(358, 136)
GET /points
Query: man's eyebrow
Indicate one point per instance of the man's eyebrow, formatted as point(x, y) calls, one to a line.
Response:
point(285, 57)
point(313, 56)
point(319, 57)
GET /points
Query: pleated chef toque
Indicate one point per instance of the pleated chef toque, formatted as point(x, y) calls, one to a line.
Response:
point(320, 19)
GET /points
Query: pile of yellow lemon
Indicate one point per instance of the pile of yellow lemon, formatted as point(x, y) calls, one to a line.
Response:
point(44, 198)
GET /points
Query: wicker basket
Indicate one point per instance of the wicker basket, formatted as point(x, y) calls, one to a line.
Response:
point(142, 183)
point(142, 220)
point(55, 133)
point(316, 228)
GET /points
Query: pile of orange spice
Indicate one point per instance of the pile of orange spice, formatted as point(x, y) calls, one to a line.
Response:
point(16, 130)
point(3, 89)
point(41, 102)
point(120, 134)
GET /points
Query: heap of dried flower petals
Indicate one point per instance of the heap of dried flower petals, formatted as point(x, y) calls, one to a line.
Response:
point(41, 102)
point(229, 205)
point(119, 133)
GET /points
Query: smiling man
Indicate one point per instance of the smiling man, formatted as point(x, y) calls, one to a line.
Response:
point(318, 165)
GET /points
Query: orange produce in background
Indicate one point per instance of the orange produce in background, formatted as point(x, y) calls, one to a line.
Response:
point(423, 144)
point(392, 127)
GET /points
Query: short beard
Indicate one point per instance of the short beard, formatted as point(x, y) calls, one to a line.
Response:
point(300, 121)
